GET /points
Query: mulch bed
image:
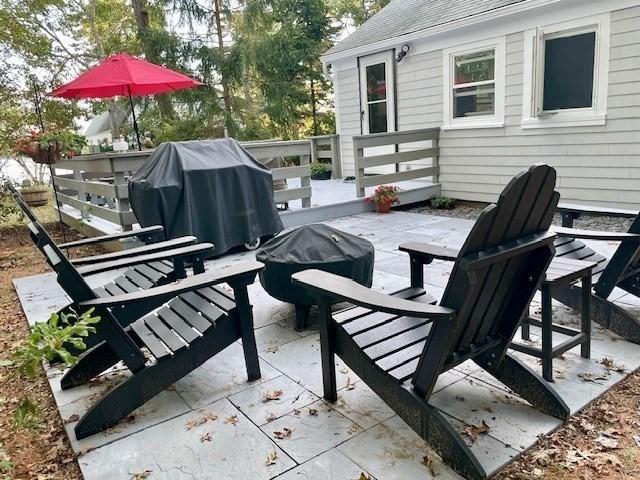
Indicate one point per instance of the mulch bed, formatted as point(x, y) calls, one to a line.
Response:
point(40, 450)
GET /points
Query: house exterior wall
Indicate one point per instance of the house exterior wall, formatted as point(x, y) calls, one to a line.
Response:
point(595, 164)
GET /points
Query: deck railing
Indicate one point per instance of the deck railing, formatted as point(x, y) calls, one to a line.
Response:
point(366, 156)
point(96, 185)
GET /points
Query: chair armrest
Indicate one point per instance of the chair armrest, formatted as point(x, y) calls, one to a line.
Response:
point(596, 234)
point(231, 274)
point(429, 252)
point(321, 283)
point(140, 232)
point(190, 251)
point(134, 252)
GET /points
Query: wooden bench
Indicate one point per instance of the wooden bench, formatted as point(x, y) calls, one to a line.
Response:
point(572, 211)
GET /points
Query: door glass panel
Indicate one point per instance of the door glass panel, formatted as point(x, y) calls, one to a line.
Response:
point(474, 67)
point(378, 117)
point(473, 101)
point(376, 82)
point(568, 72)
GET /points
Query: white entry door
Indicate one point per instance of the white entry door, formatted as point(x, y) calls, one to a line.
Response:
point(377, 92)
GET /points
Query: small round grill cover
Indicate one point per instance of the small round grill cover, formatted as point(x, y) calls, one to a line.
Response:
point(313, 246)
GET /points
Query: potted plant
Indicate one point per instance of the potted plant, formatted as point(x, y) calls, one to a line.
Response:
point(35, 194)
point(383, 197)
point(50, 147)
point(320, 171)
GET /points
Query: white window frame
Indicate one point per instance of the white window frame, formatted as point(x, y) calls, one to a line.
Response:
point(387, 59)
point(533, 79)
point(481, 121)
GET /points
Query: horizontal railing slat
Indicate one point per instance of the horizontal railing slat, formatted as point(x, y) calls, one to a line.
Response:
point(291, 172)
point(113, 216)
point(397, 177)
point(395, 138)
point(284, 196)
point(393, 158)
point(98, 188)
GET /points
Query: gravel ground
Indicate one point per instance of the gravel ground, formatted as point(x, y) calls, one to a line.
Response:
point(586, 222)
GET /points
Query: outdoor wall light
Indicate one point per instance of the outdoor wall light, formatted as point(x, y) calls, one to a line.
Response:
point(403, 52)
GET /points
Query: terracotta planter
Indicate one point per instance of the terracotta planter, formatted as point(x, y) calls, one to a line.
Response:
point(36, 198)
point(383, 207)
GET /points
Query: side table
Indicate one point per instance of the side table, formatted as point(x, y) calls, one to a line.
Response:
point(562, 271)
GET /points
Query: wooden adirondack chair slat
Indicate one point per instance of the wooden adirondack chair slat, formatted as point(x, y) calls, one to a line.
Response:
point(185, 330)
point(388, 330)
point(138, 279)
point(190, 315)
point(398, 342)
point(216, 297)
point(126, 285)
point(146, 336)
point(209, 310)
point(402, 358)
point(165, 334)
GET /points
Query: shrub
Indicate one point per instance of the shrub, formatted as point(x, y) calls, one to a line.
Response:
point(318, 168)
point(443, 203)
point(50, 341)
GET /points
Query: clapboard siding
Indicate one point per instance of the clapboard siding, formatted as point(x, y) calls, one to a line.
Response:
point(599, 164)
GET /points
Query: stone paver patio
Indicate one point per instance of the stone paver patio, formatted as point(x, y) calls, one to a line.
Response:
point(213, 424)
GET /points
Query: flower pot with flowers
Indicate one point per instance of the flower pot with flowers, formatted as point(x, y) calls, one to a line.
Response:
point(50, 147)
point(383, 197)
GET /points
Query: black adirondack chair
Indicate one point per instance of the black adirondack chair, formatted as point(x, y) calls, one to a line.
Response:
point(621, 270)
point(399, 344)
point(140, 277)
point(197, 320)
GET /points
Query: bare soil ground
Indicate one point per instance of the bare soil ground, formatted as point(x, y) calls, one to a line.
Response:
point(32, 446)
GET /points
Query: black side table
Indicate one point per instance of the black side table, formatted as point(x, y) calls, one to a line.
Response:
point(562, 271)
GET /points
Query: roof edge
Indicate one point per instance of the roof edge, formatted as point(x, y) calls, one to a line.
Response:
point(444, 27)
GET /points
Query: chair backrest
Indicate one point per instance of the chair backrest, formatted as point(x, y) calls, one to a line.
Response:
point(496, 274)
point(625, 258)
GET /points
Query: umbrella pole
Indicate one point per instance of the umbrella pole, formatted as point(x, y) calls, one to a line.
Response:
point(135, 122)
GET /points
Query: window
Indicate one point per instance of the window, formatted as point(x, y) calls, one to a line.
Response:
point(568, 72)
point(377, 97)
point(565, 74)
point(474, 87)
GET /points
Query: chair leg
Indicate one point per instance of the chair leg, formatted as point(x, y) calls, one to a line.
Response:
point(90, 364)
point(327, 352)
point(527, 384)
point(603, 312)
point(302, 315)
point(245, 317)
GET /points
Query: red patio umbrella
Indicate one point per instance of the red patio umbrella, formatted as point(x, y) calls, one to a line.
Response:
point(125, 75)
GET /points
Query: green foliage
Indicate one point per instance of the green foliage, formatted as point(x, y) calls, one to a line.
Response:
point(71, 140)
point(443, 203)
point(356, 11)
point(49, 341)
point(318, 168)
point(10, 213)
point(6, 466)
point(27, 415)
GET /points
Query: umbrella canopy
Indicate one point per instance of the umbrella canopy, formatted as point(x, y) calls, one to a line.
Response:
point(125, 75)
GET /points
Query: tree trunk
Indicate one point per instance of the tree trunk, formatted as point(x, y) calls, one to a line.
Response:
point(314, 107)
point(226, 95)
point(141, 14)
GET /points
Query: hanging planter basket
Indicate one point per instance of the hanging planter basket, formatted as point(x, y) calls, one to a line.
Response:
point(49, 155)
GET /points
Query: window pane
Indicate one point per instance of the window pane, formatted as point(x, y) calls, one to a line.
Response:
point(376, 82)
point(473, 101)
point(475, 67)
point(378, 117)
point(568, 72)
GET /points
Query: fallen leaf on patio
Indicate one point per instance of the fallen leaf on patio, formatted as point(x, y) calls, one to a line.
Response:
point(233, 419)
point(313, 412)
point(350, 386)
point(271, 458)
point(353, 429)
point(284, 433)
point(593, 377)
point(73, 418)
point(272, 395)
point(271, 417)
point(364, 476)
point(296, 411)
point(202, 419)
point(544, 457)
point(472, 431)
point(460, 398)
point(206, 437)
point(611, 366)
point(427, 461)
point(344, 370)
point(606, 442)
point(141, 475)
point(273, 349)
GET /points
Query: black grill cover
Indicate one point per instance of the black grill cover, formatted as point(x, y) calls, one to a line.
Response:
point(313, 246)
point(212, 189)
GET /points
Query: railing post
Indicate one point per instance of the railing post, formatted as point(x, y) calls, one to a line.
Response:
point(336, 162)
point(358, 153)
point(121, 203)
point(82, 194)
point(305, 181)
point(436, 157)
point(313, 144)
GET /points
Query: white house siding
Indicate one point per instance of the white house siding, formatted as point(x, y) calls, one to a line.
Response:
point(596, 165)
